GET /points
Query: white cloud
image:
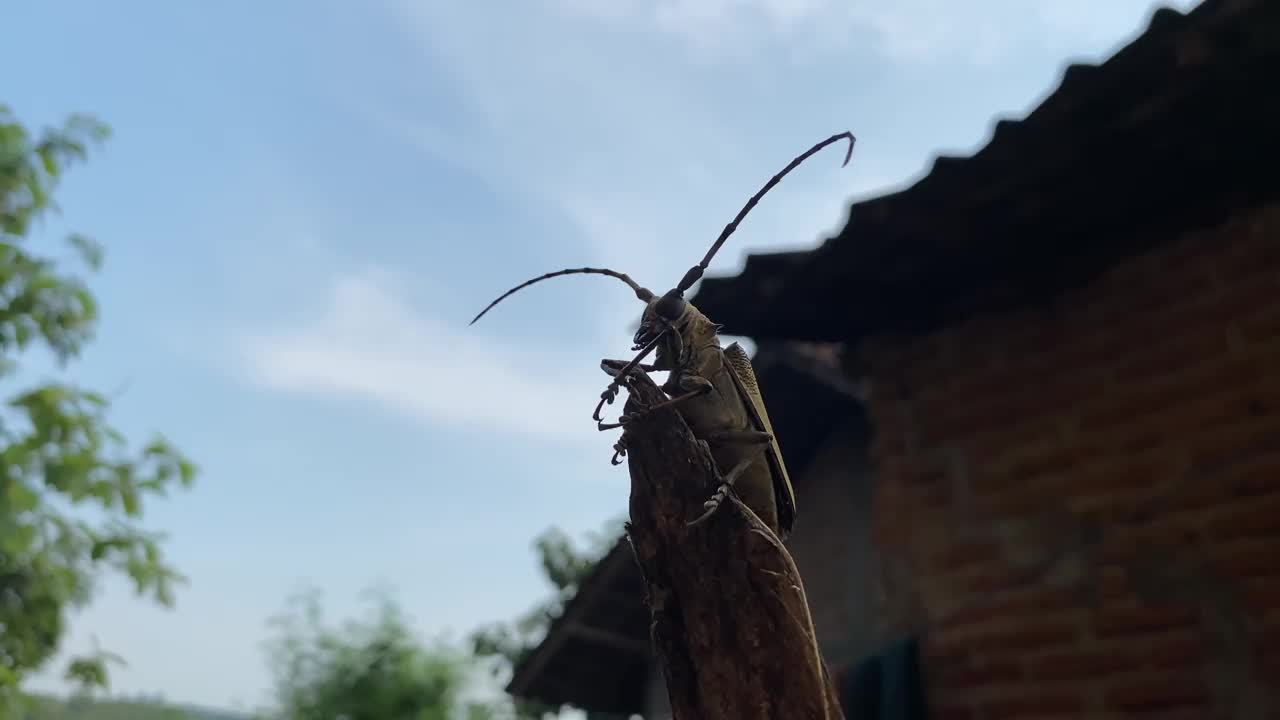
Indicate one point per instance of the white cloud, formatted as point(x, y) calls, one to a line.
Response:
point(899, 30)
point(371, 345)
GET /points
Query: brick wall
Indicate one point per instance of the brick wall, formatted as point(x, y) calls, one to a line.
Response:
point(1086, 496)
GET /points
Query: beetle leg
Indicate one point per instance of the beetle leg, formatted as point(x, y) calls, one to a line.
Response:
point(701, 386)
point(619, 449)
point(726, 484)
point(611, 392)
point(613, 367)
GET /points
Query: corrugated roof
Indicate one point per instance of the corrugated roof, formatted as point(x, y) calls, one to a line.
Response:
point(1174, 131)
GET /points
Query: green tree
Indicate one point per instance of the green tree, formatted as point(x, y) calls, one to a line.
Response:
point(565, 566)
point(373, 669)
point(59, 456)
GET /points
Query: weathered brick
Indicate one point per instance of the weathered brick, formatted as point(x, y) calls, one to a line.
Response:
point(1262, 327)
point(1187, 711)
point(1035, 461)
point(1037, 704)
point(1158, 357)
point(1017, 499)
point(1075, 665)
point(885, 445)
point(1251, 260)
point(1113, 582)
point(981, 674)
point(952, 711)
point(1247, 476)
point(965, 554)
point(1262, 599)
point(1223, 449)
point(987, 447)
point(1019, 635)
point(1169, 692)
point(1183, 648)
point(1249, 559)
point(1250, 518)
point(1113, 621)
point(1011, 606)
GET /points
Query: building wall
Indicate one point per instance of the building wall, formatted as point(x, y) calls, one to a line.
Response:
point(831, 545)
point(1084, 499)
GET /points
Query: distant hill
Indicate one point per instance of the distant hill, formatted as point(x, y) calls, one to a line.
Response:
point(48, 708)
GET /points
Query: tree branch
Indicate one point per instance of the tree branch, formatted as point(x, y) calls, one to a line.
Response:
point(731, 624)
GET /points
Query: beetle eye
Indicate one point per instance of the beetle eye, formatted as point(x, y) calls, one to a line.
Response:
point(670, 307)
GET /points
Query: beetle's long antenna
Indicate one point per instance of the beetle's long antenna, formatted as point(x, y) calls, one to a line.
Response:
point(643, 293)
point(696, 271)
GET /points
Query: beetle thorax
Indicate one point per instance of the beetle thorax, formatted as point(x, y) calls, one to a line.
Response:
point(693, 333)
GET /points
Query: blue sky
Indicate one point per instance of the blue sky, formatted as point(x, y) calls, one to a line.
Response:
point(304, 203)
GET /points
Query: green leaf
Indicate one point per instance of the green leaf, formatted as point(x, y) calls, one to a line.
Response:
point(21, 498)
point(16, 540)
point(90, 251)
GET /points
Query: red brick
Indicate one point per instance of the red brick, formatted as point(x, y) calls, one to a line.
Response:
point(1262, 327)
point(1039, 705)
point(1159, 357)
point(985, 447)
point(1054, 459)
point(1023, 634)
point(884, 444)
point(1021, 500)
point(1180, 649)
point(1009, 606)
point(1172, 692)
point(1240, 298)
point(1189, 711)
point(1249, 560)
point(974, 675)
point(952, 712)
point(1248, 476)
point(964, 554)
point(1144, 292)
point(1123, 484)
point(1113, 582)
point(1269, 656)
point(1253, 518)
point(1222, 449)
point(1258, 260)
point(1262, 597)
point(1186, 399)
point(981, 582)
point(1078, 664)
point(1129, 404)
point(1171, 534)
point(949, 419)
point(1111, 622)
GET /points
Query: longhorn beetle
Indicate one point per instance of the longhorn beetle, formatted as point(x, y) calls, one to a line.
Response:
point(714, 389)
